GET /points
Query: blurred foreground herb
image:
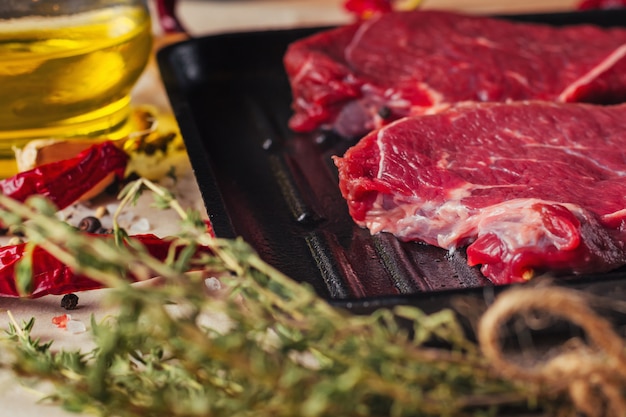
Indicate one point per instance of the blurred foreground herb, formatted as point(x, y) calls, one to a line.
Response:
point(260, 345)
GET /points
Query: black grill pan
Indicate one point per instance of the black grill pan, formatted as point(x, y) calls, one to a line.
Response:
point(278, 189)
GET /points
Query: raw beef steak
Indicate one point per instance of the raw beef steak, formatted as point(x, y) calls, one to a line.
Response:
point(528, 187)
point(358, 77)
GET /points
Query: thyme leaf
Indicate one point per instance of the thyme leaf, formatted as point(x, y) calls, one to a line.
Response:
point(261, 345)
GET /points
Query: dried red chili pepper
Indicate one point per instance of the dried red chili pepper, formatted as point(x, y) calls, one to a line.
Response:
point(209, 227)
point(600, 4)
point(64, 182)
point(166, 11)
point(51, 276)
point(367, 8)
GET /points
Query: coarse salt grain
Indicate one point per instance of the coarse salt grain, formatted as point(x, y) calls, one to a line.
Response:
point(213, 284)
point(142, 225)
point(75, 326)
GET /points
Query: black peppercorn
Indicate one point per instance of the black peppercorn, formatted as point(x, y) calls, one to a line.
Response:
point(89, 224)
point(384, 112)
point(69, 301)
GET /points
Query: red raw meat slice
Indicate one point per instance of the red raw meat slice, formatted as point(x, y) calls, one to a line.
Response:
point(361, 76)
point(528, 187)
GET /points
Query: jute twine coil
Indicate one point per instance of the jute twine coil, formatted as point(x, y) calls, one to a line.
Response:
point(592, 374)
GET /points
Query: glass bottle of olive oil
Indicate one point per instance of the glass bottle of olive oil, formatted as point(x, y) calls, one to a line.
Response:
point(64, 76)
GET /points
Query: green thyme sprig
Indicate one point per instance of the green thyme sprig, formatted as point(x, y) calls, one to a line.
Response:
point(262, 345)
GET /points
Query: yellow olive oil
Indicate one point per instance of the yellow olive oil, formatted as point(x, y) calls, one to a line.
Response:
point(71, 76)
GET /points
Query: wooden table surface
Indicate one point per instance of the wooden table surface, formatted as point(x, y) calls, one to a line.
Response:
point(210, 16)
